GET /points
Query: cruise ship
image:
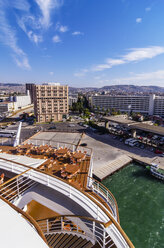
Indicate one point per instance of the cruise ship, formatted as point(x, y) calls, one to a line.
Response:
point(49, 198)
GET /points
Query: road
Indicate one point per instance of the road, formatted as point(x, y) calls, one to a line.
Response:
point(28, 110)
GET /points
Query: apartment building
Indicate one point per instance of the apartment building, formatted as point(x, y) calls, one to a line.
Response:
point(50, 102)
point(152, 105)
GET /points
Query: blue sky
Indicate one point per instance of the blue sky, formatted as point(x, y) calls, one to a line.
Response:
point(82, 42)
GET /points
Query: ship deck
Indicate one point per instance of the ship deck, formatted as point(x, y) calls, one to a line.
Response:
point(72, 167)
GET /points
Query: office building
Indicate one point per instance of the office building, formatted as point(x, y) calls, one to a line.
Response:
point(50, 102)
point(152, 105)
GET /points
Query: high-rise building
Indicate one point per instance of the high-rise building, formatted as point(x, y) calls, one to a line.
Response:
point(31, 87)
point(50, 102)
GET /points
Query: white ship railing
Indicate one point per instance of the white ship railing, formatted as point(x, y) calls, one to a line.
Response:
point(81, 226)
point(93, 207)
point(105, 194)
point(15, 187)
point(57, 144)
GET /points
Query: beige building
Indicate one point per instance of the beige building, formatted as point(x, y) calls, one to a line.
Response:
point(50, 102)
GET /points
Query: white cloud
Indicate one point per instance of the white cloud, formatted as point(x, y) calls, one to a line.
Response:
point(20, 5)
point(36, 38)
point(8, 37)
point(76, 33)
point(143, 53)
point(101, 67)
point(22, 61)
point(148, 9)
point(156, 77)
point(56, 39)
point(81, 73)
point(46, 6)
point(135, 55)
point(139, 20)
point(63, 29)
point(51, 73)
point(113, 62)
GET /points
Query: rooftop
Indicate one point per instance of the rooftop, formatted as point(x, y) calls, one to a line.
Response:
point(118, 119)
point(148, 128)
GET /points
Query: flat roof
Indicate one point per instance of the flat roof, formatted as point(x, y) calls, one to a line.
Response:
point(148, 128)
point(119, 120)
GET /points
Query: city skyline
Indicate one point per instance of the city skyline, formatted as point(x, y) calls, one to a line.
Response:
point(82, 43)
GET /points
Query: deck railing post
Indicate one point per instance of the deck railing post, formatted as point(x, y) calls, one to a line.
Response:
point(97, 212)
point(93, 231)
point(98, 188)
point(61, 221)
point(47, 226)
point(77, 226)
point(104, 238)
point(17, 186)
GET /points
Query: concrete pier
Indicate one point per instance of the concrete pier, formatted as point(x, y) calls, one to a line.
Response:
point(115, 165)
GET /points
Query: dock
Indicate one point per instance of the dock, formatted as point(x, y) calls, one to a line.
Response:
point(115, 165)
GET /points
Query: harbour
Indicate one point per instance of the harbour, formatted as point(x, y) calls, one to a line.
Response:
point(140, 202)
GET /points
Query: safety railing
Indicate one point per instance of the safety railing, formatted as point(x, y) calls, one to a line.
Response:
point(91, 205)
point(105, 194)
point(15, 187)
point(57, 144)
point(84, 227)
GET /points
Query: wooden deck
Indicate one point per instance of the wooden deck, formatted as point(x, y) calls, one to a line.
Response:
point(72, 167)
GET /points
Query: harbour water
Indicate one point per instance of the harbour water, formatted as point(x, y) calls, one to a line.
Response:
point(140, 199)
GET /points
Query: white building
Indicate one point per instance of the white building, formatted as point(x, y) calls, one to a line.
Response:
point(15, 103)
point(6, 107)
point(152, 105)
point(72, 98)
point(22, 101)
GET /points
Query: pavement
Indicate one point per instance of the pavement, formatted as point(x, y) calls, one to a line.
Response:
point(117, 147)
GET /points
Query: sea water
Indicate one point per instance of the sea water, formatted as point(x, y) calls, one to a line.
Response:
point(140, 199)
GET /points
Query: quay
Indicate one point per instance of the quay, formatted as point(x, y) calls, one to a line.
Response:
point(109, 155)
point(112, 167)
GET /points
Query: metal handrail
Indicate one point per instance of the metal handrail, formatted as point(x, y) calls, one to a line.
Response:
point(110, 217)
point(13, 188)
point(105, 193)
point(86, 227)
point(50, 142)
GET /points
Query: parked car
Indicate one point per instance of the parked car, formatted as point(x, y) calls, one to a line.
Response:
point(158, 151)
